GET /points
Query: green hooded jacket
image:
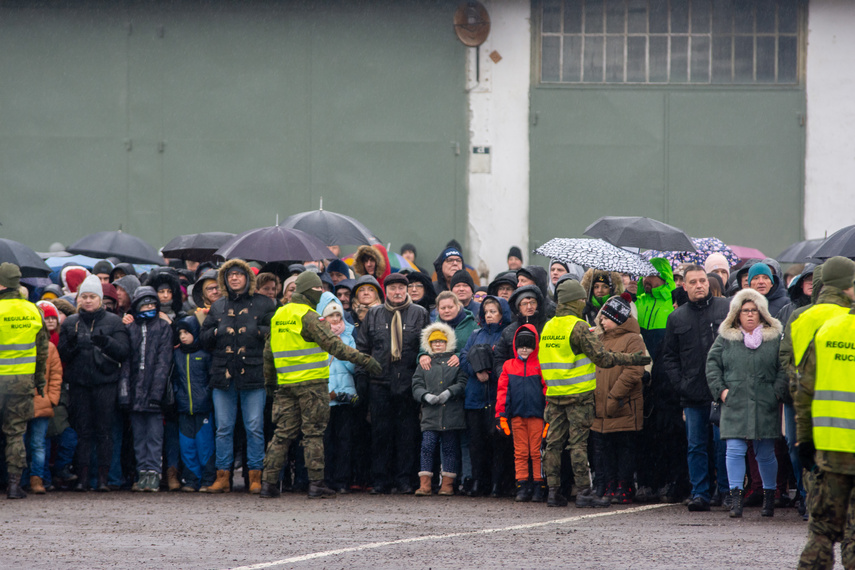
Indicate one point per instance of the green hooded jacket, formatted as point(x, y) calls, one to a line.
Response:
point(654, 307)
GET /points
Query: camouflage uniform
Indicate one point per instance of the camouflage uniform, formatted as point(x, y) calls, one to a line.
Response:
point(570, 417)
point(831, 487)
point(16, 400)
point(304, 406)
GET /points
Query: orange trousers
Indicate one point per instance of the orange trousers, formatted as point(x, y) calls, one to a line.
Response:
point(528, 433)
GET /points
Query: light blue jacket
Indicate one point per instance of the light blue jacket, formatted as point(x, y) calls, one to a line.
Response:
point(341, 371)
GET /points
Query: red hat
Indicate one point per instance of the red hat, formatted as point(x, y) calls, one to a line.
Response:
point(48, 309)
point(110, 291)
point(73, 276)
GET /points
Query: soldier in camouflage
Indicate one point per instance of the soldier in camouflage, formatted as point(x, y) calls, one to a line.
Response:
point(568, 368)
point(296, 370)
point(23, 357)
point(826, 442)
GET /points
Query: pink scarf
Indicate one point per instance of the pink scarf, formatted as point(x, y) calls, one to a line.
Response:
point(754, 338)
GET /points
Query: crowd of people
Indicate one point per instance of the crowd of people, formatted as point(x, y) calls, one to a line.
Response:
point(334, 377)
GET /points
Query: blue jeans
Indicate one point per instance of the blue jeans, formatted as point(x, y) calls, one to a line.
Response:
point(698, 436)
point(790, 433)
point(764, 450)
point(66, 445)
point(36, 431)
point(171, 445)
point(720, 461)
point(225, 414)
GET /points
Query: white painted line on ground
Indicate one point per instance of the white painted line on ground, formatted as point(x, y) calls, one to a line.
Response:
point(372, 545)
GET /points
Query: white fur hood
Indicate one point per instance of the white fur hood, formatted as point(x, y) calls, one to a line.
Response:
point(729, 328)
point(446, 330)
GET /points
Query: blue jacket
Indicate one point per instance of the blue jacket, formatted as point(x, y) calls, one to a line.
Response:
point(191, 373)
point(480, 395)
point(341, 371)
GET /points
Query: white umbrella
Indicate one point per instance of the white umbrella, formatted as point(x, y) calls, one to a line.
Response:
point(596, 253)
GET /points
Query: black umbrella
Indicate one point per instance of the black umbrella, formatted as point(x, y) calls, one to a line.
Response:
point(841, 242)
point(800, 252)
point(331, 228)
point(28, 260)
point(127, 247)
point(275, 243)
point(196, 247)
point(637, 231)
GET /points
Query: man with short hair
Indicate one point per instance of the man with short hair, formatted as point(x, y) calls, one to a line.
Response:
point(689, 334)
point(23, 357)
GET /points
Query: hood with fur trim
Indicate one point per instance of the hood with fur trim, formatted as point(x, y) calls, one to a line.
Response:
point(224, 270)
point(588, 280)
point(446, 330)
point(729, 328)
point(377, 256)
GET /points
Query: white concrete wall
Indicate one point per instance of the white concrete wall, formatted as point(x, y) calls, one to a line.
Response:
point(830, 152)
point(499, 119)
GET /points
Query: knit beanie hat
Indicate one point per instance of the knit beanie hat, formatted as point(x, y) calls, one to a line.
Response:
point(515, 252)
point(570, 290)
point(524, 295)
point(102, 266)
point(526, 339)
point(91, 285)
point(409, 247)
point(716, 261)
point(338, 266)
point(10, 275)
point(450, 252)
point(109, 291)
point(838, 272)
point(395, 278)
point(307, 280)
point(462, 276)
point(331, 308)
point(48, 309)
point(760, 269)
point(618, 309)
point(437, 335)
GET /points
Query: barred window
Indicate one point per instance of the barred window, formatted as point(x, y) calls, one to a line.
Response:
point(669, 41)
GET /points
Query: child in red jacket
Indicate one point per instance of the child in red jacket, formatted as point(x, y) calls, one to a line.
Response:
point(521, 397)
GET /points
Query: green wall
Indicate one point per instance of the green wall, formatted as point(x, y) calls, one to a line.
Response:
point(180, 117)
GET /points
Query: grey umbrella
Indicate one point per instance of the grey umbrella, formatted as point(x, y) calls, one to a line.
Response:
point(800, 252)
point(331, 228)
point(127, 247)
point(26, 259)
point(275, 243)
point(638, 231)
point(196, 247)
point(597, 254)
point(841, 242)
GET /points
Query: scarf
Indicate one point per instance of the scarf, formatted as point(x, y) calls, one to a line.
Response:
point(456, 320)
point(397, 327)
point(754, 338)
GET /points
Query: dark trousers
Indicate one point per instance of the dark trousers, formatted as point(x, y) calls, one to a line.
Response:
point(337, 446)
point(92, 409)
point(614, 458)
point(395, 438)
point(148, 440)
point(487, 448)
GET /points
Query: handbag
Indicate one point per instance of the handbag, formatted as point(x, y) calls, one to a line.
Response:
point(715, 413)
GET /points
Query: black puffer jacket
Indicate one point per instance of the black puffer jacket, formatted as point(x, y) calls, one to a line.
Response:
point(689, 334)
point(375, 339)
point(79, 336)
point(234, 333)
point(504, 349)
point(151, 343)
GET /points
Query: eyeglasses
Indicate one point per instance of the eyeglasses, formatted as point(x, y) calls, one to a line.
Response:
point(212, 288)
point(415, 286)
point(749, 311)
point(528, 303)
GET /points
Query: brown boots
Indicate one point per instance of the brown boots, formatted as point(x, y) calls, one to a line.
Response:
point(221, 485)
point(172, 479)
point(447, 487)
point(424, 489)
point(255, 481)
point(36, 486)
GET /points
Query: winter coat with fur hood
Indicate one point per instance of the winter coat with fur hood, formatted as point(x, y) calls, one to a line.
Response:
point(235, 330)
point(754, 378)
point(440, 377)
point(618, 399)
point(381, 260)
point(591, 307)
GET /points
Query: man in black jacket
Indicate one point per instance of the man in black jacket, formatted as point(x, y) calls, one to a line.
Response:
point(234, 333)
point(689, 334)
point(526, 307)
point(391, 334)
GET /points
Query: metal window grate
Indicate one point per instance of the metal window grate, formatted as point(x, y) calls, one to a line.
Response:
point(723, 42)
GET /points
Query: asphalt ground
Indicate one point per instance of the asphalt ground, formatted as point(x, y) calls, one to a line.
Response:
point(237, 530)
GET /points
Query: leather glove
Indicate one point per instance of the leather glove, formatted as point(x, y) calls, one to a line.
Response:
point(443, 397)
point(430, 399)
point(373, 367)
point(502, 425)
point(807, 454)
point(640, 359)
point(100, 340)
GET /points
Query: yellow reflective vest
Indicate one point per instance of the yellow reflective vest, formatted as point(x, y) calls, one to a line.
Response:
point(805, 326)
point(296, 360)
point(833, 407)
point(20, 322)
point(564, 371)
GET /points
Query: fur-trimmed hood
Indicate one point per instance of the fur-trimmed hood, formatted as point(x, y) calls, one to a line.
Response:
point(446, 330)
point(590, 274)
point(224, 270)
point(729, 328)
point(370, 251)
